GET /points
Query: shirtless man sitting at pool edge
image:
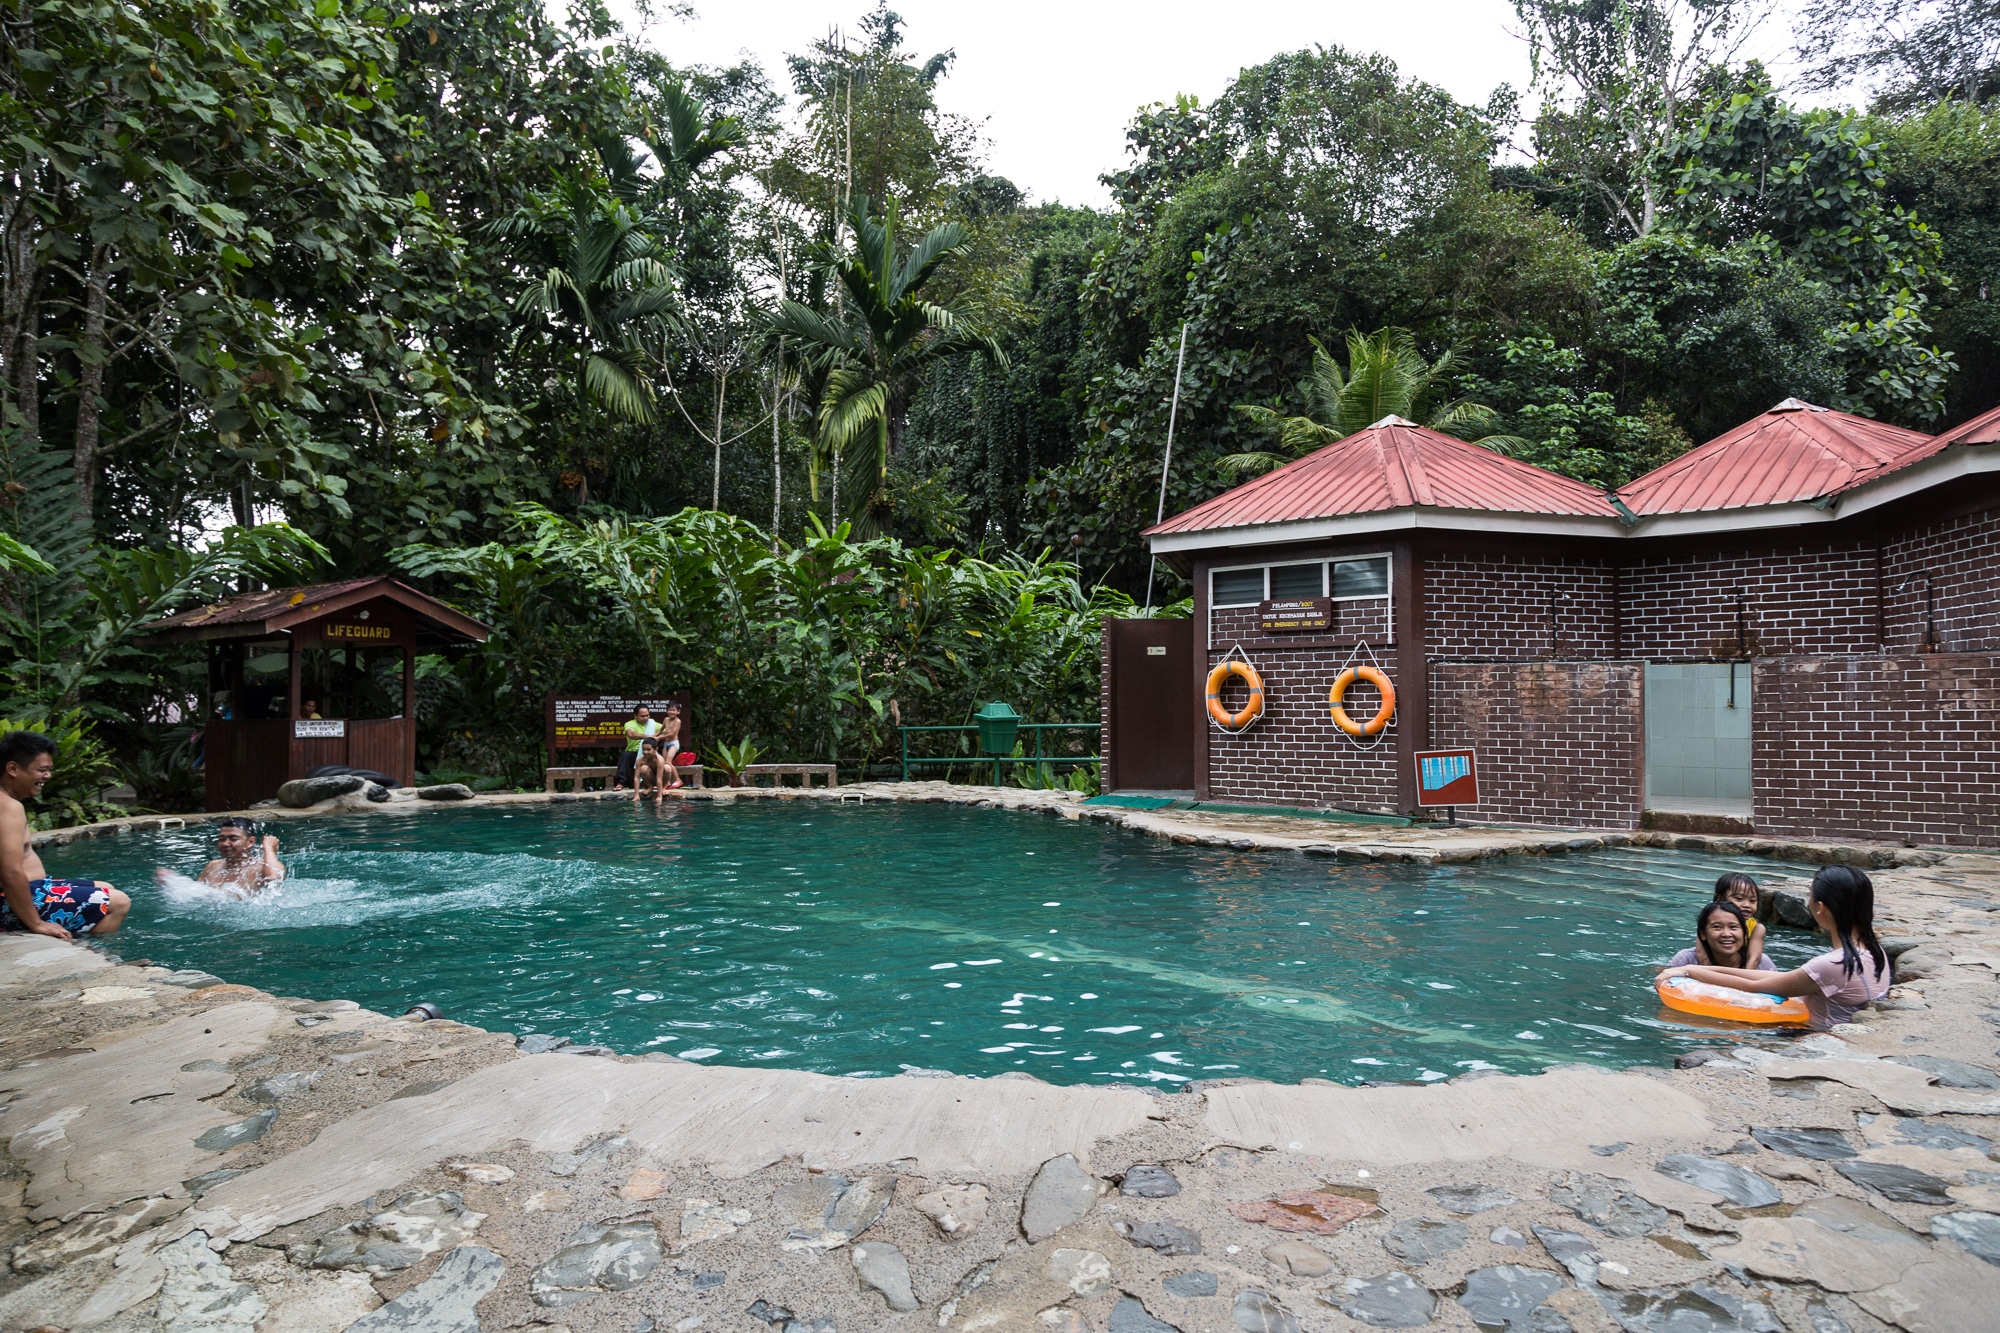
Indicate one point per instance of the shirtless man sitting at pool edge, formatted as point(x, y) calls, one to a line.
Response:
point(245, 865)
point(29, 899)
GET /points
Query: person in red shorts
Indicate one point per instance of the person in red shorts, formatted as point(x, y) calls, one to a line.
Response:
point(29, 899)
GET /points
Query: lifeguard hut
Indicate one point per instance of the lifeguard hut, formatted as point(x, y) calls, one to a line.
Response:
point(349, 648)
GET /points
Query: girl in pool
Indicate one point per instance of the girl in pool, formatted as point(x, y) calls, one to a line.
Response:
point(1722, 939)
point(1835, 984)
point(1739, 889)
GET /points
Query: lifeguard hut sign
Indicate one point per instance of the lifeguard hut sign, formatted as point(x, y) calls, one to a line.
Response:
point(597, 721)
point(1447, 777)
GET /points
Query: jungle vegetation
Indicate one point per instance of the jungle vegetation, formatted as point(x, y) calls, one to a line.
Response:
point(777, 393)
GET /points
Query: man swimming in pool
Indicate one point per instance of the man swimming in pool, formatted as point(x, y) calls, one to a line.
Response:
point(245, 865)
point(29, 899)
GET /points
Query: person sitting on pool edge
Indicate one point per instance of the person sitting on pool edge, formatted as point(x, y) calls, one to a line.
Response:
point(636, 731)
point(244, 866)
point(1739, 889)
point(29, 899)
point(1835, 984)
point(1722, 939)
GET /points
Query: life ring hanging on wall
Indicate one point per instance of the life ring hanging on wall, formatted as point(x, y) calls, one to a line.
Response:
point(1361, 665)
point(1218, 679)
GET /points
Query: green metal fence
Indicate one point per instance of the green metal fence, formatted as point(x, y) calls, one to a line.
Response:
point(997, 760)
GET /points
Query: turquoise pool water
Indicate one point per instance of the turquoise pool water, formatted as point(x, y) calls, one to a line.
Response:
point(864, 939)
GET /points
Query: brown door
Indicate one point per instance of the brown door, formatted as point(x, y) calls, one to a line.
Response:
point(1152, 722)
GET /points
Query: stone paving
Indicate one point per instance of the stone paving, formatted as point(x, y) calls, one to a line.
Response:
point(189, 1155)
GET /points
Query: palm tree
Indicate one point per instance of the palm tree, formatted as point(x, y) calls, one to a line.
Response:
point(884, 338)
point(1386, 377)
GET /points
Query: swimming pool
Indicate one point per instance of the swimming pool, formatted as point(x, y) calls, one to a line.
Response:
point(867, 939)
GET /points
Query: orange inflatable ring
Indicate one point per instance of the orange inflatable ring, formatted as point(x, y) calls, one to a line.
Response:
point(1742, 1006)
point(1374, 724)
point(1253, 707)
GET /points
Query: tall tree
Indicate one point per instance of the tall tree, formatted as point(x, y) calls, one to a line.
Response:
point(1911, 53)
point(1620, 76)
point(885, 335)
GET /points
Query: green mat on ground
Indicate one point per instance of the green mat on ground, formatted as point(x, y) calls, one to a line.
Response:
point(1134, 802)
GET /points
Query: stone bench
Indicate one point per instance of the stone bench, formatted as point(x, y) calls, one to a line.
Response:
point(829, 774)
point(579, 774)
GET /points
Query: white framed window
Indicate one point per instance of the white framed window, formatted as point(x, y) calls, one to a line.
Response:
point(1347, 578)
point(1297, 582)
point(1236, 587)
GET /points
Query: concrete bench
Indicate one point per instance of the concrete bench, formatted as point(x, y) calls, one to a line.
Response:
point(608, 773)
point(829, 774)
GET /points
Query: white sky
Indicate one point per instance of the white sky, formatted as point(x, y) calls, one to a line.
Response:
point(1056, 83)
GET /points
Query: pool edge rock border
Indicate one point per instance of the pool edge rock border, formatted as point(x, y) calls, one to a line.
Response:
point(730, 1166)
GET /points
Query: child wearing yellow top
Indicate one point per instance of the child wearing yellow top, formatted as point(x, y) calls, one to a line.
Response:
point(1740, 891)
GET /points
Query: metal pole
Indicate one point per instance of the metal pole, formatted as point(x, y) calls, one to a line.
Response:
point(1173, 413)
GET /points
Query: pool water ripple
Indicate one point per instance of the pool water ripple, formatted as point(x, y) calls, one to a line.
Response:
point(864, 940)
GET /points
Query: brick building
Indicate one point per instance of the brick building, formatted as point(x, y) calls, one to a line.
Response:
point(1794, 628)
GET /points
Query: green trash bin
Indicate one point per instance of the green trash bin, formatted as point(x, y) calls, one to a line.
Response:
point(998, 725)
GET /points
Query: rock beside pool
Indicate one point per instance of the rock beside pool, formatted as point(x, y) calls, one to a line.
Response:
point(1790, 904)
point(93, 1233)
point(445, 1302)
point(1904, 1184)
point(956, 1210)
point(1388, 1300)
point(1975, 1233)
point(709, 1219)
point(445, 791)
point(1818, 1145)
point(1061, 1193)
point(832, 1210)
point(1919, 963)
point(1298, 1258)
point(1950, 1073)
point(1166, 1237)
point(1507, 1295)
point(224, 1137)
point(1608, 1205)
point(418, 1224)
point(481, 1173)
point(541, 1043)
point(1256, 1312)
point(1149, 1182)
point(279, 1086)
point(1573, 1251)
point(199, 1293)
point(597, 1259)
point(881, 1267)
point(1466, 1200)
point(1190, 1285)
point(1129, 1316)
point(300, 793)
point(1422, 1239)
point(1743, 1188)
point(1084, 1272)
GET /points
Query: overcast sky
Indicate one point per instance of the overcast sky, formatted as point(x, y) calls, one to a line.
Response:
point(1054, 82)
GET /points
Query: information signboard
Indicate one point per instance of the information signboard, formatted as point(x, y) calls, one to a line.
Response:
point(1447, 777)
point(319, 728)
point(1303, 615)
point(597, 721)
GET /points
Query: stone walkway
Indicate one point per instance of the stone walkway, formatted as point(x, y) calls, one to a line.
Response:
point(188, 1155)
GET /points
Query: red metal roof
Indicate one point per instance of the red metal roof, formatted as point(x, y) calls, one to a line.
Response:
point(276, 610)
point(1982, 429)
point(1793, 453)
point(1394, 464)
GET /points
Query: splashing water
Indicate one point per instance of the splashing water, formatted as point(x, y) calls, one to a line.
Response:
point(861, 940)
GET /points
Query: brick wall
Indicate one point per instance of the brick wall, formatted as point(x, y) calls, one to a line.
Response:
point(1963, 556)
point(1879, 747)
point(1500, 606)
point(1558, 742)
point(1294, 755)
point(1817, 600)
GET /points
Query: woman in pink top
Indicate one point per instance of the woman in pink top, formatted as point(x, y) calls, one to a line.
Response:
point(1836, 983)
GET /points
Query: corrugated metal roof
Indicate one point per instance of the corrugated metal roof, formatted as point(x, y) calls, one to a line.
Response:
point(275, 610)
point(1794, 453)
point(1982, 429)
point(1393, 464)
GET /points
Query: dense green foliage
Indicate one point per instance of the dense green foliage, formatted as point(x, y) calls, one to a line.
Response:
point(520, 308)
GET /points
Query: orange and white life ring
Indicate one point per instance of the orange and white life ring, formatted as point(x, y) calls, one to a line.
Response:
point(1253, 707)
point(1373, 725)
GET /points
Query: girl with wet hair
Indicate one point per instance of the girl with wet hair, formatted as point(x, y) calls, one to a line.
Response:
point(1853, 973)
point(1722, 939)
point(1738, 888)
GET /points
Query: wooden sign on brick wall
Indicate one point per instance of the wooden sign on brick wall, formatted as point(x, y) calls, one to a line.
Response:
point(1303, 615)
point(1447, 777)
